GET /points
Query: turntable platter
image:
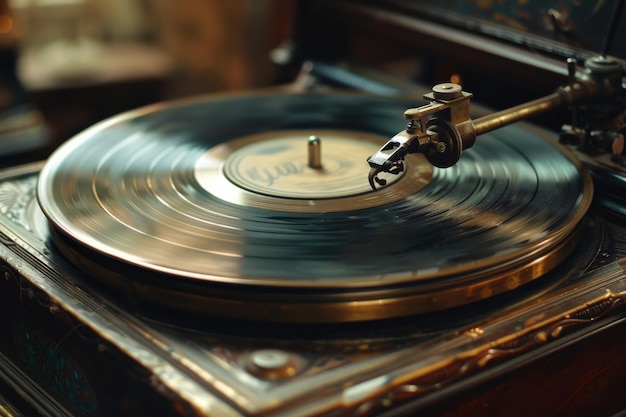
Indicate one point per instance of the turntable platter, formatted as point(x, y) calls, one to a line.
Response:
point(209, 206)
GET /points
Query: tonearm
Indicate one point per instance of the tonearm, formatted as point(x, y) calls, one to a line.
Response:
point(443, 128)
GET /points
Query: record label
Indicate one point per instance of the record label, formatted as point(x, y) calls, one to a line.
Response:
point(277, 164)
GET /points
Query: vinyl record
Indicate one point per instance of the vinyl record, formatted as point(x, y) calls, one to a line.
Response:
point(212, 206)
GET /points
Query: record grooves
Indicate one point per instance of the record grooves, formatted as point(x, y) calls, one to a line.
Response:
point(132, 191)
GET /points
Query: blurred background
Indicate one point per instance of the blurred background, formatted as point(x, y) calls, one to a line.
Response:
point(71, 63)
point(67, 64)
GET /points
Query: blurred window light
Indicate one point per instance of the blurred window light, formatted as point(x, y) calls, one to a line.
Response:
point(43, 3)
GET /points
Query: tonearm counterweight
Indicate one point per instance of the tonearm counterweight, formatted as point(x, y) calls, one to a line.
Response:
point(443, 128)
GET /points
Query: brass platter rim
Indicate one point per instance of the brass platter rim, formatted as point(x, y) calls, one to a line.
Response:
point(332, 307)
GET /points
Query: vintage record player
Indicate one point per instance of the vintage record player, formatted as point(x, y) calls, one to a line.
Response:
point(309, 250)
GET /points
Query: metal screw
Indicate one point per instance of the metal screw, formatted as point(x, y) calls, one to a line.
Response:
point(272, 364)
point(412, 126)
